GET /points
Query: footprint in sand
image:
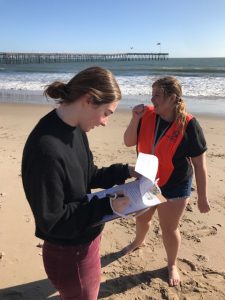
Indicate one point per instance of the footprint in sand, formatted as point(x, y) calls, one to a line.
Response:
point(201, 258)
point(220, 155)
point(168, 294)
point(215, 279)
point(215, 276)
point(196, 235)
point(2, 254)
point(186, 265)
point(206, 231)
point(191, 237)
point(186, 220)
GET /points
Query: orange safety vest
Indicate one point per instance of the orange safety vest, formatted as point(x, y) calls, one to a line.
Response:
point(165, 147)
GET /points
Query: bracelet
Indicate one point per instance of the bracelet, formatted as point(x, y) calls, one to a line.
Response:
point(112, 196)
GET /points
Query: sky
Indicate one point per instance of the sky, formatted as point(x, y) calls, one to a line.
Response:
point(182, 28)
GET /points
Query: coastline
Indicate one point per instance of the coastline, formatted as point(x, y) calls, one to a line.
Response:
point(44, 107)
point(141, 274)
point(212, 106)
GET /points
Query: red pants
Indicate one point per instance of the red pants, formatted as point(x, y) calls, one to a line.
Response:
point(74, 270)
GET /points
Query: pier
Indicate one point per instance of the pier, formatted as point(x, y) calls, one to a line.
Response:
point(40, 58)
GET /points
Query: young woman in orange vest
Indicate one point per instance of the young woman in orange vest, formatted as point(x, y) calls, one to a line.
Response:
point(176, 138)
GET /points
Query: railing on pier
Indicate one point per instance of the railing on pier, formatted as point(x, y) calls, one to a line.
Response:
point(27, 58)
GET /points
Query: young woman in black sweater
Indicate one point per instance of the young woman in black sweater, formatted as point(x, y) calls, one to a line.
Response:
point(58, 172)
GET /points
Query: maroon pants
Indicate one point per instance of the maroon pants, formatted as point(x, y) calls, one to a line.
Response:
point(74, 270)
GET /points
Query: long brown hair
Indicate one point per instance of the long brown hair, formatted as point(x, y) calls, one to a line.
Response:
point(96, 81)
point(171, 86)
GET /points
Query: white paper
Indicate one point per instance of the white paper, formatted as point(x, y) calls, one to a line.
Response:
point(139, 193)
point(142, 192)
point(147, 165)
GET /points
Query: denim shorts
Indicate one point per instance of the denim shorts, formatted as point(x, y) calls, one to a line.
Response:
point(183, 190)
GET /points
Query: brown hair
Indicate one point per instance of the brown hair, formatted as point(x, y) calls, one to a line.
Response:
point(96, 81)
point(170, 85)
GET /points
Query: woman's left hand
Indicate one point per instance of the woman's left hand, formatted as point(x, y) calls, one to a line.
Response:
point(203, 205)
point(120, 203)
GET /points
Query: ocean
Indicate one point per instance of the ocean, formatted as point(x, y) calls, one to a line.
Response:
point(203, 81)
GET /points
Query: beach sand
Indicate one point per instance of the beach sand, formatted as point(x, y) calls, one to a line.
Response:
point(139, 275)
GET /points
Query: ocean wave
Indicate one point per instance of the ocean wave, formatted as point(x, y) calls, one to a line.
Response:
point(190, 70)
point(130, 85)
point(192, 86)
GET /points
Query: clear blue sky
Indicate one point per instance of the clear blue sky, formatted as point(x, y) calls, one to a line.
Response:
point(185, 28)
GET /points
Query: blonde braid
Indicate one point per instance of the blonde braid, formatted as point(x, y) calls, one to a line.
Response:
point(181, 113)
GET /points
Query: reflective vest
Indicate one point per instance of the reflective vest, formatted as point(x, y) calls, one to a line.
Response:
point(166, 146)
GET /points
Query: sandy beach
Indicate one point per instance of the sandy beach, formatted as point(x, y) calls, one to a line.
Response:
point(139, 275)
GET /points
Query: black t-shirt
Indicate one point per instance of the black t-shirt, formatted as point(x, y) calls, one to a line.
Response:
point(193, 144)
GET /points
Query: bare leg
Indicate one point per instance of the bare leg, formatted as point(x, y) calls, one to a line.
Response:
point(142, 227)
point(170, 214)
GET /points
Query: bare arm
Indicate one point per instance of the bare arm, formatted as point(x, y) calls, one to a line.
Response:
point(200, 168)
point(130, 135)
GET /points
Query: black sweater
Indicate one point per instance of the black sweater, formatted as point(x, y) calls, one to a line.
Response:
point(57, 173)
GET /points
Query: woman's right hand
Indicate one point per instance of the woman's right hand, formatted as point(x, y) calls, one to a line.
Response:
point(138, 111)
point(203, 205)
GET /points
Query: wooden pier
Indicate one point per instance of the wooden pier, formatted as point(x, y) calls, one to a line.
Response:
point(39, 58)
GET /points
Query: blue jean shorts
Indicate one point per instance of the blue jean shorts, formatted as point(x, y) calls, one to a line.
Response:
point(181, 191)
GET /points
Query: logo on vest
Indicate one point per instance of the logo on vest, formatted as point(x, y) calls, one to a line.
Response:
point(173, 137)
